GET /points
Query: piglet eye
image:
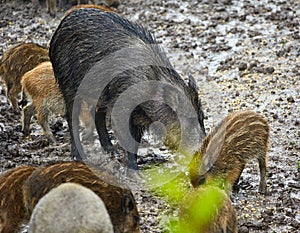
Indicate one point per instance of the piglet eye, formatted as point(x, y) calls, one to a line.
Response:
point(136, 221)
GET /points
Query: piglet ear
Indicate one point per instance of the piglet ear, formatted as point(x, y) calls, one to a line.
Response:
point(192, 84)
point(127, 204)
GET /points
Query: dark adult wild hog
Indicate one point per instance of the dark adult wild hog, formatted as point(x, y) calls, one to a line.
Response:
point(12, 210)
point(16, 61)
point(66, 207)
point(241, 136)
point(121, 63)
point(119, 202)
point(41, 89)
point(207, 209)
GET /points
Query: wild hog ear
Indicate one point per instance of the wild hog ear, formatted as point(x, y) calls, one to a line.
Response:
point(3, 68)
point(127, 204)
point(172, 97)
point(192, 85)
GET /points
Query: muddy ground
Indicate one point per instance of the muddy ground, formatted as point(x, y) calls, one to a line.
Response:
point(244, 55)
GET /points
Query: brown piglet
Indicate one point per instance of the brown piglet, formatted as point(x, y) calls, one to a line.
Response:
point(241, 136)
point(12, 210)
point(80, 205)
point(207, 209)
point(45, 97)
point(98, 7)
point(40, 87)
point(52, 4)
point(118, 201)
point(15, 62)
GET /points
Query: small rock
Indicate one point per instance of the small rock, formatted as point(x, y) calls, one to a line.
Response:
point(268, 70)
point(294, 185)
point(269, 212)
point(291, 99)
point(242, 66)
point(243, 229)
point(252, 64)
point(297, 218)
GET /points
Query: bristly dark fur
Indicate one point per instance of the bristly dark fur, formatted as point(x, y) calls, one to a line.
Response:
point(85, 37)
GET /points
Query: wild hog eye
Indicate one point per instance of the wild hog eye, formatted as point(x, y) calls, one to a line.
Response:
point(201, 180)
